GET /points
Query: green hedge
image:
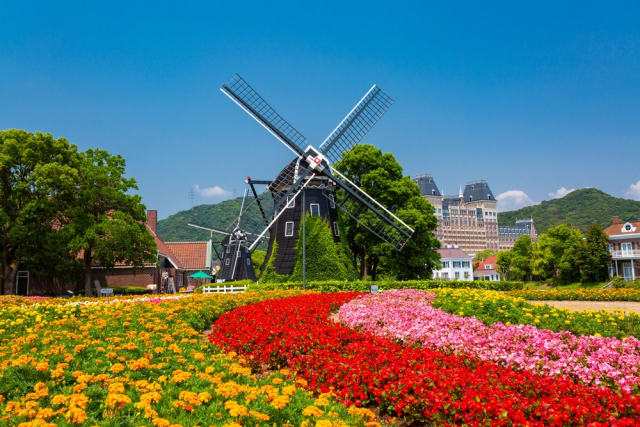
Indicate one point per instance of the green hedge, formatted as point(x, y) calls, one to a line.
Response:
point(363, 286)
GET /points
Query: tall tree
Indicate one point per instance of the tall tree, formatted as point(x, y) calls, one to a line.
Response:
point(37, 174)
point(560, 254)
point(106, 223)
point(521, 257)
point(504, 264)
point(380, 176)
point(597, 257)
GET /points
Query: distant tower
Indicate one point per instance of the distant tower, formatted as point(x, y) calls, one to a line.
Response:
point(192, 196)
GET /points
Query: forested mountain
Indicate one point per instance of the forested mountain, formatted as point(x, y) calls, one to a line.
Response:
point(578, 209)
point(220, 215)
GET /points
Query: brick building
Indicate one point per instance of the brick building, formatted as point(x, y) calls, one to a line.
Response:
point(469, 220)
point(624, 246)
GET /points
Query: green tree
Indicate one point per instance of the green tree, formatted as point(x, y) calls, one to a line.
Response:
point(597, 257)
point(504, 264)
point(323, 261)
point(106, 223)
point(380, 176)
point(482, 255)
point(560, 252)
point(522, 258)
point(37, 174)
point(257, 259)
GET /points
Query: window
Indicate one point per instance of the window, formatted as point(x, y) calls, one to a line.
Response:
point(466, 264)
point(314, 208)
point(226, 261)
point(610, 248)
point(332, 202)
point(336, 231)
point(487, 266)
point(445, 264)
point(292, 200)
point(457, 275)
point(238, 253)
point(626, 249)
point(445, 275)
point(288, 229)
point(456, 264)
point(228, 249)
point(248, 261)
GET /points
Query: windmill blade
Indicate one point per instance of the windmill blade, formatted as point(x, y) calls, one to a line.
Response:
point(215, 230)
point(356, 125)
point(248, 99)
point(369, 213)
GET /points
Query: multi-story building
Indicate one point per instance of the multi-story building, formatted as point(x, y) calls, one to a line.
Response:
point(508, 234)
point(468, 220)
point(624, 246)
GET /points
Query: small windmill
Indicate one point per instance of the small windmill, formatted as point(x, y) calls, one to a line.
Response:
point(312, 170)
point(236, 258)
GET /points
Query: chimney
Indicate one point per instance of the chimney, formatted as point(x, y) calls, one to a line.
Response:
point(152, 220)
point(616, 220)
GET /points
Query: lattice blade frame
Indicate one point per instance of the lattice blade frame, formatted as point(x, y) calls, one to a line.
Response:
point(365, 210)
point(356, 125)
point(248, 99)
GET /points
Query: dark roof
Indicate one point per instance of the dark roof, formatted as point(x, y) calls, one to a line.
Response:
point(477, 190)
point(427, 185)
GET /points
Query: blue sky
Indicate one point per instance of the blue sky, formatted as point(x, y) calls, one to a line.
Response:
point(534, 97)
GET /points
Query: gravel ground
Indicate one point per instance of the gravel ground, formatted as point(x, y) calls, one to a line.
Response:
point(595, 305)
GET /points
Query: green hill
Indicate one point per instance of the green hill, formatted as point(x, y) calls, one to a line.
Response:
point(578, 209)
point(220, 215)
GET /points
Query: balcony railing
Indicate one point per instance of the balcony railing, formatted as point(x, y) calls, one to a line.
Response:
point(629, 253)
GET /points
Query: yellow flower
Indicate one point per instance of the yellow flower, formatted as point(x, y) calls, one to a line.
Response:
point(117, 400)
point(117, 368)
point(289, 390)
point(277, 381)
point(312, 411)
point(323, 423)
point(280, 402)
point(161, 422)
point(259, 416)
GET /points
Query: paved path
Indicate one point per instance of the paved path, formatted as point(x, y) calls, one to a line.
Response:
point(595, 305)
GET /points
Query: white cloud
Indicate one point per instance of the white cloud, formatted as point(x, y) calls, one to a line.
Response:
point(561, 192)
point(214, 191)
point(634, 191)
point(513, 199)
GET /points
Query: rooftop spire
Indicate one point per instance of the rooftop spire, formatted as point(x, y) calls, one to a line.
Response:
point(460, 193)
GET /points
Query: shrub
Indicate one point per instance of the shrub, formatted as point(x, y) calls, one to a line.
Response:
point(363, 286)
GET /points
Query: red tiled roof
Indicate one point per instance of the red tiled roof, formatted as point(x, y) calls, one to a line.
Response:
point(490, 260)
point(616, 229)
point(192, 255)
point(452, 253)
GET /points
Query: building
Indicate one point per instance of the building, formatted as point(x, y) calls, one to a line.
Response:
point(456, 265)
point(470, 219)
point(487, 269)
point(508, 234)
point(624, 246)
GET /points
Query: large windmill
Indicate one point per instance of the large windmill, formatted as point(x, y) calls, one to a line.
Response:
point(311, 171)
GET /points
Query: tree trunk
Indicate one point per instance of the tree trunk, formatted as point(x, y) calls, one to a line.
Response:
point(87, 272)
point(363, 266)
point(9, 275)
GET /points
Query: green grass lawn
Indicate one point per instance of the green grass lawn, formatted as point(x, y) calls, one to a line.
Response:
point(545, 285)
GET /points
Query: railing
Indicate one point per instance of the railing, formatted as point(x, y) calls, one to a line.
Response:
point(628, 253)
point(224, 289)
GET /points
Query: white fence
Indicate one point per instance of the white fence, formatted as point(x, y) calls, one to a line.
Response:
point(223, 289)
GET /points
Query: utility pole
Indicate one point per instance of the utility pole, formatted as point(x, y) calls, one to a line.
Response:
point(192, 196)
point(304, 240)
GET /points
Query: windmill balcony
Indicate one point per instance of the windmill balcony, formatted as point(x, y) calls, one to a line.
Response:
point(626, 254)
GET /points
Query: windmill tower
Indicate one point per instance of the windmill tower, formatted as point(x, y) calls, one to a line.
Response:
point(326, 189)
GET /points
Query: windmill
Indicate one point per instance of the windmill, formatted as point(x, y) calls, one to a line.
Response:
point(311, 171)
point(236, 257)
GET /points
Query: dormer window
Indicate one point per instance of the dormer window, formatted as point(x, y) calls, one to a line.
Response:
point(628, 228)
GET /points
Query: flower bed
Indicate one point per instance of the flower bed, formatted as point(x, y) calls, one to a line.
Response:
point(419, 383)
point(409, 317)
point(140, 362)
point(578, 294)
point(491, 307)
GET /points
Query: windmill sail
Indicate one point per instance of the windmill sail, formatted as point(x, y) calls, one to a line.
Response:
point(356, 125)
point(249, 100)
point(364, 209)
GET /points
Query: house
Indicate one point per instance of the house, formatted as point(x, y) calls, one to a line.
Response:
point(456, 264)
point(177, 259)
point(487, 269)
point(624, 246)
